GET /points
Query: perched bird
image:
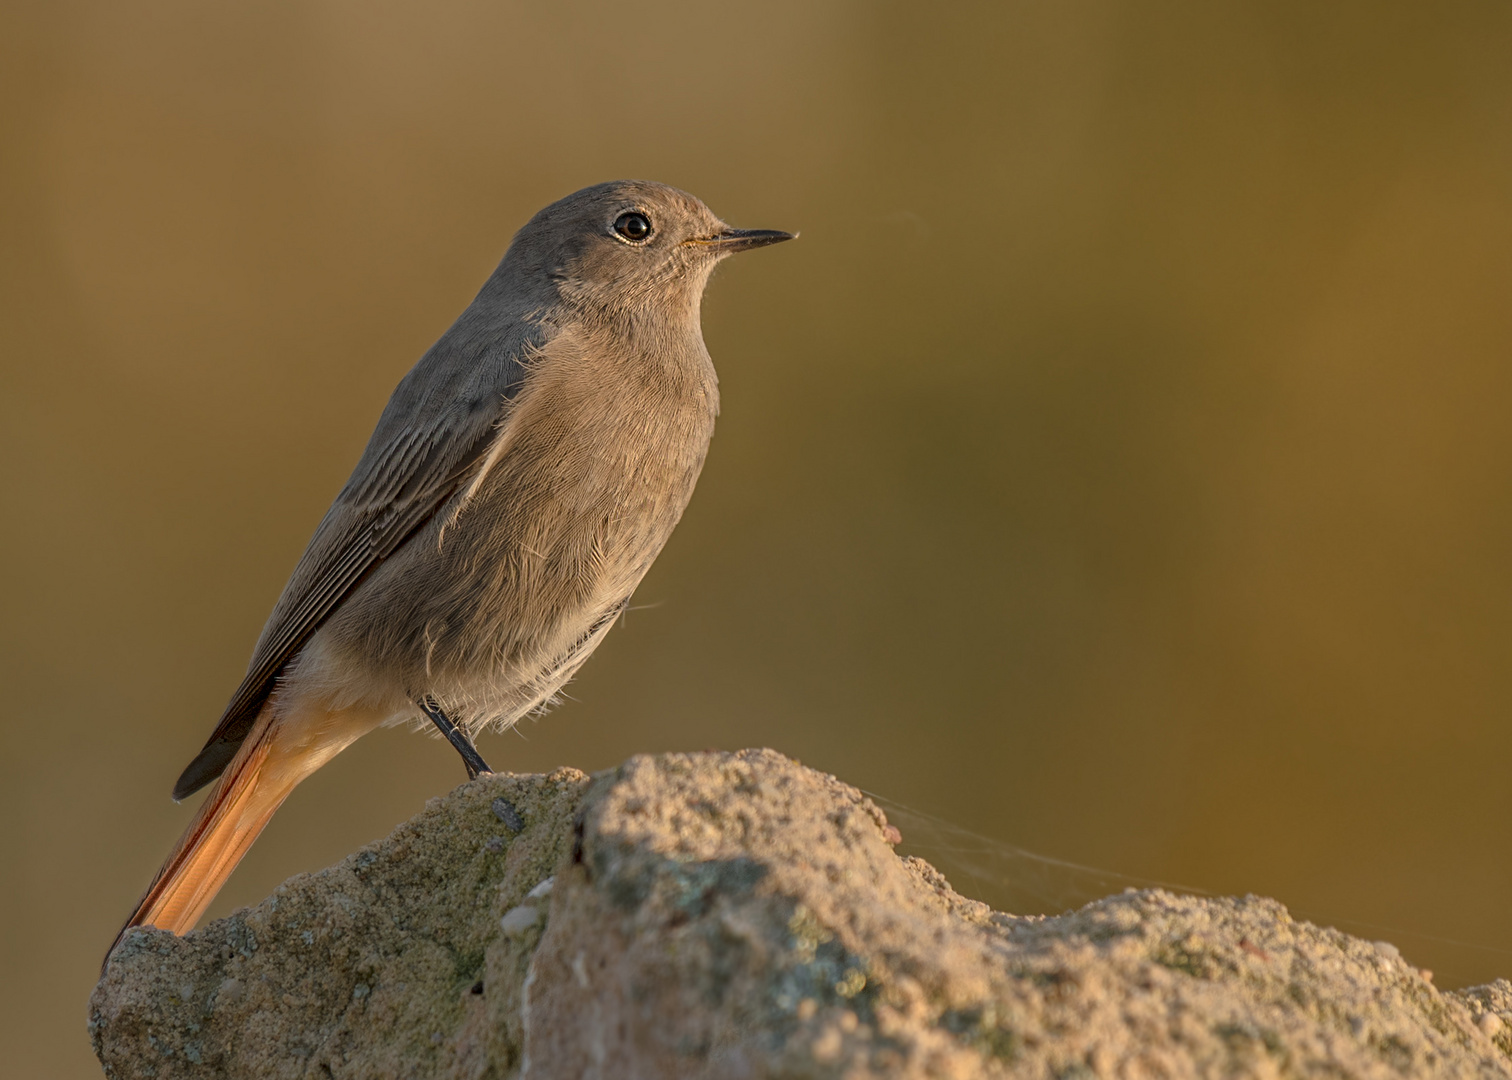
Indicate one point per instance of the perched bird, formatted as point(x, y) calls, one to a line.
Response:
point(520, 482)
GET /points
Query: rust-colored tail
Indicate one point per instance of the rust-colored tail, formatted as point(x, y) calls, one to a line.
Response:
point(277, 754)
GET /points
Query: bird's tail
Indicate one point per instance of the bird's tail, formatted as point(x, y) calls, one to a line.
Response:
point(277, 754)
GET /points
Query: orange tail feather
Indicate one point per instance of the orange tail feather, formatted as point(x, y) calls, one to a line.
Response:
point(277, 754)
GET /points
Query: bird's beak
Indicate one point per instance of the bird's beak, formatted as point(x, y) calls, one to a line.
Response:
point(732, 240)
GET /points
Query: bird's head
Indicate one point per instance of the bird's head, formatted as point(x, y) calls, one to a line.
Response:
point(630, 247)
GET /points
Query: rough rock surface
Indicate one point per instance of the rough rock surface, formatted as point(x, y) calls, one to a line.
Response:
point(737, 915)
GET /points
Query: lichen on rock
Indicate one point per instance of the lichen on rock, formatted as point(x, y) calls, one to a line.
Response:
point(737, 915)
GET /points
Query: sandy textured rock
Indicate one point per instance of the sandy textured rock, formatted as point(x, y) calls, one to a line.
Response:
point(737, 915)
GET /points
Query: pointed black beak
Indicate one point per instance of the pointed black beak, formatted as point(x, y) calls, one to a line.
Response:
point(732, 240)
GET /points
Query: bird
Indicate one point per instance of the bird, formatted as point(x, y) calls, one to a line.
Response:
point(520, 481)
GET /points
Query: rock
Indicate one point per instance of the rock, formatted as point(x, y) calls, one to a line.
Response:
point(737, 915)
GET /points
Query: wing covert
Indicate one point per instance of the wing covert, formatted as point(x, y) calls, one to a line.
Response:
point(435, 431)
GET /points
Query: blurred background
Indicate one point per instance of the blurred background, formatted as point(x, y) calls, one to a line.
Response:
point(1118, 466)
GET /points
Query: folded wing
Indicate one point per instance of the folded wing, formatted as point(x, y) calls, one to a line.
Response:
point(433, 434)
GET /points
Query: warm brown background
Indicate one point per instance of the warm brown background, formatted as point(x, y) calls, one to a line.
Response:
point(1119, 465)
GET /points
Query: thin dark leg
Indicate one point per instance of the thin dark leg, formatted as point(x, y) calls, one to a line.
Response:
point(457, 737)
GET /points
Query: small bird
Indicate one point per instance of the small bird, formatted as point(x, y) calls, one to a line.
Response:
point(518, 486)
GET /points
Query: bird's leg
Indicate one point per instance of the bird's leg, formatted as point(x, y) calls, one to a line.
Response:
point(456, 736)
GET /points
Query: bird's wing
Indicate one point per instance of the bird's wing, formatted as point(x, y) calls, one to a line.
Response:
point(436, 428)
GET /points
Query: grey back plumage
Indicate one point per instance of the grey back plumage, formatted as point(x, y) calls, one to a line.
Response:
point(511, 434)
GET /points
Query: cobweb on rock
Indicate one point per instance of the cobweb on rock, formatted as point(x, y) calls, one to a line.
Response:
point(1005, 877)
point(1022, 882)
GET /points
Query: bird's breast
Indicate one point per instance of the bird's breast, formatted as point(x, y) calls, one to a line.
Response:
point(594, 462)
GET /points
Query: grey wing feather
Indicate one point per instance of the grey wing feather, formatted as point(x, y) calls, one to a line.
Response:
point(436, 428)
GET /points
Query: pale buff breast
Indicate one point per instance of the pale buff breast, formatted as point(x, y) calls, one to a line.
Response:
point(495, 603)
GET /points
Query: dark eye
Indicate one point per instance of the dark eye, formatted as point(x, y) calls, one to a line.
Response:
point(633, 226)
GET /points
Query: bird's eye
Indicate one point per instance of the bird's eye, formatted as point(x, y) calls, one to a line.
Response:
point(633, 226)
